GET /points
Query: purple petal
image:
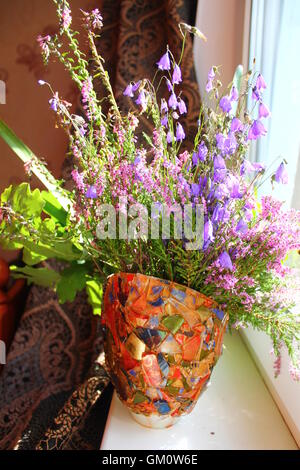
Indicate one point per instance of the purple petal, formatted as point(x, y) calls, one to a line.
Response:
point(176, 77)
point(164, 62)
point(225, 261)
point(180, 135)
point(263, 111)
point(281, 175)
point(91, 193)
point(225, 104)
point(128, 91)
point(173, 103)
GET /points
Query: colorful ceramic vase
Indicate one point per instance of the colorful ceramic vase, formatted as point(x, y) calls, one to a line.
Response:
point(162, 341)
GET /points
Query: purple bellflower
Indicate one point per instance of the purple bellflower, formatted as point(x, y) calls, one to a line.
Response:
point(176, 77)
point(173, 103)
point(180, 135)
point(225, 261)
point(236, 125)
point(281, 175)
point(164, 62)
point(225, 104)
point(128, 91)
point(256, 130)
point(182, 106)
point(263, 111)
point(91, 193)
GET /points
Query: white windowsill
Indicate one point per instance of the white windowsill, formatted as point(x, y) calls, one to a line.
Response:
point(236, 412)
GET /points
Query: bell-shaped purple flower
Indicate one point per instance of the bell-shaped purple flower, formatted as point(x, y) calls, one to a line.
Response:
point(236, 125)
point(225, 104)
point(164, 121)
point(208, 231)
point(136, 86)
point(128, 91)
point(91, 193)
point(248, 167)
point(234, 94)
point(219, 175)
point(142, 100)
point(241, 226)
point(281, 175)
point(256, 130)
point(263, 111)
point(182, 106)
point(164, 62)
point(170, 137)
point(230, 144)
point(163, 106)
point(195, 158)
point(219, 163)
point(259, 166)
point(260, 83)
point(202, 152)
point(225, 261)
point(202, 182)
point(221, 191)
point(211, 74)
point(173, 103)
point(220, 138)
point(169, 85)
point(180, 135)
point(176, 77)
point(209, 86)
point(195, 189)
point(54, 104)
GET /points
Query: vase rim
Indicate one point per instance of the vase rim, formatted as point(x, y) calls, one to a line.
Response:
point(167, 281)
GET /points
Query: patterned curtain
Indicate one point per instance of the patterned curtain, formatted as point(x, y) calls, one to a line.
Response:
point(51, 387)
point(135, 36)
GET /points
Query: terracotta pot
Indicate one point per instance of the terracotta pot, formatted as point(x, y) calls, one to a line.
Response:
point(162, 341)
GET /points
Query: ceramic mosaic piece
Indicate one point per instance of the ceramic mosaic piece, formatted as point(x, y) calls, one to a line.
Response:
point(162, 342)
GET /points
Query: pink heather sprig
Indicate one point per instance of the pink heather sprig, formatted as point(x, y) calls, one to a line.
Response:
point(93, 20)
point(44, 43)
point(66, 17)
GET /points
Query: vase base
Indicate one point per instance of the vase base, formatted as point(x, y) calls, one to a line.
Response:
point(154, 421)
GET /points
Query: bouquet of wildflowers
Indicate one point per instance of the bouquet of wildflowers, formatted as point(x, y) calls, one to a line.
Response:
point(147, 203)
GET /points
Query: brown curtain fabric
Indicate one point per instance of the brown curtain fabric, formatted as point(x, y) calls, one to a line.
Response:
point(135, 36)
point(51, 386)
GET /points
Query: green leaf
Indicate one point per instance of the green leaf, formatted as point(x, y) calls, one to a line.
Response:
point(53, 208)
point(22, 200)
point(41, 276)
point(37, 167)
point(36, 252)
point(94, 290)
point(72, 279)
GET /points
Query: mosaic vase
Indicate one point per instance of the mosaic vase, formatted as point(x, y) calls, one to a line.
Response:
point(162, 341)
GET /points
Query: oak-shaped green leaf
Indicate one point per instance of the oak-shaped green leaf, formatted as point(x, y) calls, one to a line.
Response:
point(41, 276)
point(73, 279)
point(23, 201)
